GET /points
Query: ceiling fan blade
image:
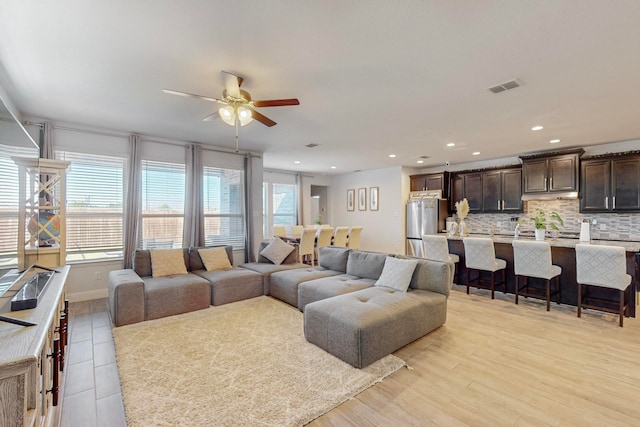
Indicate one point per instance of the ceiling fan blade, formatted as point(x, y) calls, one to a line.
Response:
point(232, 83)
point(191, 95)
point(211, 117)
point(262, 118)
point(276, 102)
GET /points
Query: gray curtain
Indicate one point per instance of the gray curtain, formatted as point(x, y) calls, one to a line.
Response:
point(193, 231)
point(249, 243)
point(132, 213)
point(299, 185)
point(46, 141)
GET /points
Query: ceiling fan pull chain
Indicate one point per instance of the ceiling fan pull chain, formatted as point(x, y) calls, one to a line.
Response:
point(237, 124)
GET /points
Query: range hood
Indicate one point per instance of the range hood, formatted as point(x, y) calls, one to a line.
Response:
point(560, 195)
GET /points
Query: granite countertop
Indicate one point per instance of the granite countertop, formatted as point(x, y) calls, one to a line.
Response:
point(560, 242)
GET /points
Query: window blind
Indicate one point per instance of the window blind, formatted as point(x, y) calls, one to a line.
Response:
point(223, 202)
point(95, 205)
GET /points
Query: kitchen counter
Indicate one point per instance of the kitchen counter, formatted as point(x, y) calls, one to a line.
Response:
point(560, 242)
point(563, 254)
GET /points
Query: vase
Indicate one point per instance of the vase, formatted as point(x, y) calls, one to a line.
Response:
point(462, 228)
point(540, 233)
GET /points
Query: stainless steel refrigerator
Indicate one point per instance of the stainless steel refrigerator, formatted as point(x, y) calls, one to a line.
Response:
point(424, 216)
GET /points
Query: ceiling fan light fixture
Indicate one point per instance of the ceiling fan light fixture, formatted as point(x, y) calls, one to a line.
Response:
point(244, 115)
point(228, 115)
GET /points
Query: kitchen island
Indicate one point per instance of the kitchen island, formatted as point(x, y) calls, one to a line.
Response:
point(563, 254)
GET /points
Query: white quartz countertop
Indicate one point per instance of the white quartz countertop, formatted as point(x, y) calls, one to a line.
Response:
point(559, 242)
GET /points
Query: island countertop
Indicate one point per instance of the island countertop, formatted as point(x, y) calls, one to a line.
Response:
point(560, 242)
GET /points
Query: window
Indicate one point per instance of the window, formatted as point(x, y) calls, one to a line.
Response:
point(279, 205)
point(9, 203)
point(162, 209)
point(95, 206)
point(223, 202)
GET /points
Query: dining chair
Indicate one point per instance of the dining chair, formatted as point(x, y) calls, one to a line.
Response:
point(437, 248)
point(340, 236)
point(533, 259)
point(307, 242)
point(480, 255)
point(279, 230)
point(297, 230)
point(323, 238)
point(603, 267)
point(353, 240)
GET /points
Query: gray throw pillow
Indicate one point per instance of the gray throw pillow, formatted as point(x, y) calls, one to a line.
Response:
point(397, 273)
point(277, 251)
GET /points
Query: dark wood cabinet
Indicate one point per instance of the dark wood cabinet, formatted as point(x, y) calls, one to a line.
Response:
point(551, 173)
point(469, 186)
point(502, 191)
point(611, 184)
point(433, 181)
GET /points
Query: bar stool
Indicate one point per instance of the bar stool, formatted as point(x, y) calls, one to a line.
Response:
point(437, 248)
point(605, 267)
point(479, 254)
point(533, 259)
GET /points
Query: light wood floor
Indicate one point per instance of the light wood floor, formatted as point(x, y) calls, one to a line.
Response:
point(492, 364)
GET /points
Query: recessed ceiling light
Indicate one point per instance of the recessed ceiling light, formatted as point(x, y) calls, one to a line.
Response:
point(475, 153)
point(420, 161)
point(392, 155)
point(538, 127)
point(297, 162)
point(451, 144)
point(333, 167)
point(554, 141)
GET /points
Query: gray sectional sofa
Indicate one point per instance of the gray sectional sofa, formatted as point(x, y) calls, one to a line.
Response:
point(346, 311)
point(347, 315)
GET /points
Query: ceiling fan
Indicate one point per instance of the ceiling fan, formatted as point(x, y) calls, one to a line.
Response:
point(238, 108)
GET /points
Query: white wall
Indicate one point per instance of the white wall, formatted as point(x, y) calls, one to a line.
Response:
point(384, 229)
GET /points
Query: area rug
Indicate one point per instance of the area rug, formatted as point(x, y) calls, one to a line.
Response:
point(240, 364)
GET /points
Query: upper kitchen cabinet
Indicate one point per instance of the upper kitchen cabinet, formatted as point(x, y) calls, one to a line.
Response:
point(553, 174)
point(611, 183)
point(433, 181)
point(502, 190)
point(469, 186)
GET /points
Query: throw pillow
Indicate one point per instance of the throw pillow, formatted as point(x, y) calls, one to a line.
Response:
point(215, 258)
point(167, 262)
point(397, 273)
point(277, 251)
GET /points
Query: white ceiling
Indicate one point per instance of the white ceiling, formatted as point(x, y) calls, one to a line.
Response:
point(372, 77)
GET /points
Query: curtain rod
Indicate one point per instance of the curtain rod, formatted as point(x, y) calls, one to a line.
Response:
point(143, 138)
point(284, 172)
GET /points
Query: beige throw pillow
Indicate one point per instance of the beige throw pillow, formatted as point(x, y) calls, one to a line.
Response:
point(214, 259)
point(167, 262)
point(277, 251)
point(397, 273)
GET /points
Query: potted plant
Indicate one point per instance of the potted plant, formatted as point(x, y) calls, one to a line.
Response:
point(541, 222)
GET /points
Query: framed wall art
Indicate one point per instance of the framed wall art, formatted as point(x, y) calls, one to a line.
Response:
point(351, 197)
point(362, 199)
point(373, 198)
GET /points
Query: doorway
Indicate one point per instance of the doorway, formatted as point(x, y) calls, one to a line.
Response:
point(319, 203)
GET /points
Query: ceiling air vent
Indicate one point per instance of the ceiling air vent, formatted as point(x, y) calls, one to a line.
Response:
point(512, 84)
point(312, 145)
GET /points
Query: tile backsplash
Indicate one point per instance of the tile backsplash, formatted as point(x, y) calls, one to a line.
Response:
point(609, 226)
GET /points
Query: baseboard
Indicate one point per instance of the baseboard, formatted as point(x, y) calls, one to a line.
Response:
point(89, 295)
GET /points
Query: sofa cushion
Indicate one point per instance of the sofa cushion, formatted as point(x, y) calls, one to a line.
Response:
point(231, 285)
point(167, 262)
point(397, 273)
point(214, 258)
point(277, 251)
point(284, 284)
point(334, 258)
point(176, 294)
point(327, 287)
point(435, 276)
point(366, 264)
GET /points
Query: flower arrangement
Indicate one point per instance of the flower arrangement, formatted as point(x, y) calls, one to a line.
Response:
point(541, 222)
point(462, 208)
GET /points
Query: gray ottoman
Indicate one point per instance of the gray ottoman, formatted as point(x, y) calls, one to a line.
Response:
point(364, 326)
